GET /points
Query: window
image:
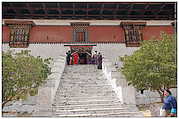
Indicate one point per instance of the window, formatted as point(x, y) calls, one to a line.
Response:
point(133, 34)
point(19, 33)
point(80, 32)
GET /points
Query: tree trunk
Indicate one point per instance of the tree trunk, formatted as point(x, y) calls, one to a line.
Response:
point(12, 98)
point(5, 102)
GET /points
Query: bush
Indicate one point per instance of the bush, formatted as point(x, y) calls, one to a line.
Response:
point(153, 66)
point(22, 74)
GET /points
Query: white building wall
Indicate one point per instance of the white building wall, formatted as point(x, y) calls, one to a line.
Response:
point(43, 50)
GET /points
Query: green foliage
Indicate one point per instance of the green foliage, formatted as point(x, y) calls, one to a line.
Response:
point(22, 74)
point(153, 66)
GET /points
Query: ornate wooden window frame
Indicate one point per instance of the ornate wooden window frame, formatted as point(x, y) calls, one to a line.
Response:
point(133, 33)
point(80, 27)
point(19, 33)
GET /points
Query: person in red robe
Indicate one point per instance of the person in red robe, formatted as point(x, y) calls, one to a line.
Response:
point(75, 58)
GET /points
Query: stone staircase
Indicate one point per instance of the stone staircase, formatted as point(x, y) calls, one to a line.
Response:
point(84, 92)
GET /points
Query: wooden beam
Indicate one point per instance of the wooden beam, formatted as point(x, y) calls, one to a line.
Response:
point(87, 7)
point(59, 10)
point(101, 11)
point(44, 8)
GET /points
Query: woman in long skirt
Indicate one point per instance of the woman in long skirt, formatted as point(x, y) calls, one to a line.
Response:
point(76, 58)
point(99, 61)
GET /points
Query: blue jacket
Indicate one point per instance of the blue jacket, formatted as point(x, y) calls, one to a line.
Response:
point(169, 103)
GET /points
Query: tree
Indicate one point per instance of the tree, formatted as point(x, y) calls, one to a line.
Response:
point(22, 74)
point(153, 66)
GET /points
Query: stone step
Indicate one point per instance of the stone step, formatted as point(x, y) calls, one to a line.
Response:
point(87, 109)
point(95, 106)
point(82, 71)
point(87, 101)
point(103, 114)
point(77, 88)
point(85, 91)
point(61, 91)
point(66, 86)
point(86, 98)
point(83, 77)
point(79, 67)
point(92, 111)
point(89, 106)
point(83, 74)
point(85, 95)
point(85, 82)
point(59, 102)
point(84, 85)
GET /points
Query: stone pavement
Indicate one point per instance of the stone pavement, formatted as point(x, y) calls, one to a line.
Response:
point(84, 92)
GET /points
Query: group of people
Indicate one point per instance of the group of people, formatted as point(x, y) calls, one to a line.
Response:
point(72, 58)
point(95, 58)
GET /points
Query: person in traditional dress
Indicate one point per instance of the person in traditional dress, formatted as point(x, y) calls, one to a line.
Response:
point(68, 56)
point(71, 60)
point(94, 58)
point(170, 105)
point(99, 60)
point(89, 58)
point(75, 58)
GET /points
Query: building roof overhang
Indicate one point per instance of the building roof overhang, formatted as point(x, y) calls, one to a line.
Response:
point(90, 10)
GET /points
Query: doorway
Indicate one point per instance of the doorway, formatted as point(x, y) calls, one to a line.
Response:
point(83, 58)
point(84, 53)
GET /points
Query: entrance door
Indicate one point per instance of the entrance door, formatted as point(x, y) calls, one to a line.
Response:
point(83, 58)
point(83, 52)
point(80, 36)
